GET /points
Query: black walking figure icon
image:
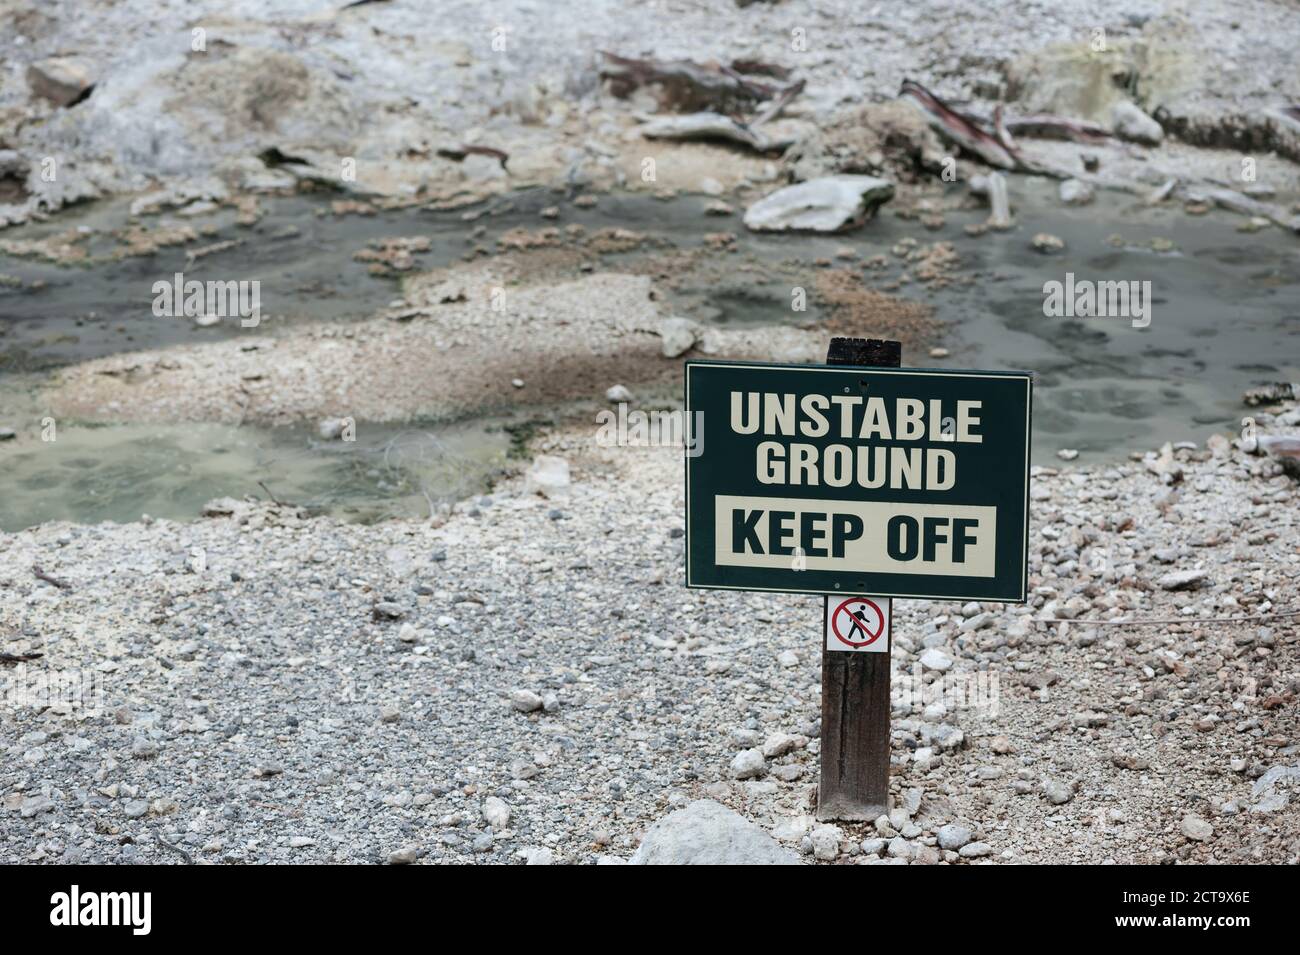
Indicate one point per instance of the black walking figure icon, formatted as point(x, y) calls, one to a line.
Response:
point(860, 621)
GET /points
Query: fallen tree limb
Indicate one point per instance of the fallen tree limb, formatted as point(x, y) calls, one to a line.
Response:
point(779, 103)
point(458, 154)
point(689, 86)
point(1235, 201)
point(1045, 126)
point(960, 129)
point(711, 126)
point(9, 659)
point(55, 581)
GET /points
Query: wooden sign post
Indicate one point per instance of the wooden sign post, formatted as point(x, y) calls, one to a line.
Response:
point(855, 686)
point(859, 481)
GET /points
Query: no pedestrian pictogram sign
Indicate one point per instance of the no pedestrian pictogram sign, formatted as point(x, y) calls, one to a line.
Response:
point(858, 623)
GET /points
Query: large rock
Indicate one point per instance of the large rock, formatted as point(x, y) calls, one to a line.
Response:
point(1076, 192)
point(936, 659)
point(678, 336)
point(749, 764)
point(708, 833)
point(1068, 79)
point(953, 836)
point(1183, 580)
point(548, 476)
point(1266, 793)
point(829, 204)
point(1133, 124)
point(63, 80)
point(1196, 828)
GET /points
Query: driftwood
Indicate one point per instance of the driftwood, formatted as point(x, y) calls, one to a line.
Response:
point(1045, 126)
point(992, 142)
point(961, 129)
point(9, 659)
point(55, 581)
point(716, 98)
point(457, 154)
point(1161, 192)
point(711, 126)
point(1279, 445)
point(999, 203)
point(1244, 205)
point(693, 87)
point(773, 109)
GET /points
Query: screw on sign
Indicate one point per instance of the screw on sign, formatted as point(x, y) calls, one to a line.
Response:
point(859, 623)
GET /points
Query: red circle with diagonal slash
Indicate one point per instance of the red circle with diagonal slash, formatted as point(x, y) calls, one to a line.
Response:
point(855, 626)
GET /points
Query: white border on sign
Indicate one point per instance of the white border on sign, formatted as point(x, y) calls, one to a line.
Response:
point(880, 644)
point(857, 369)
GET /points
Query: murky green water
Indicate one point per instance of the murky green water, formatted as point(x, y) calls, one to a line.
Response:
point(1225, 316)
point(119, 472)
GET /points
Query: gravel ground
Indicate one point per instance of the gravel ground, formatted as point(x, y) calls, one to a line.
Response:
point(525, 679)
point(528, 680)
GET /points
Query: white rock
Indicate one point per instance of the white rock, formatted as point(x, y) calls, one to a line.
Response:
point(899, 848)
point(826, 842)
point(617, 394)
point(936, 659)
point(1131, 123)
point(1182, 580)
point(495, 812)
point(538, 855)
point(1194, 827)
point(706, 833)
point(678, 336)
point(61, 79)
point(525, 701)
point(1076, 192)
point(873, 847)
point(1057, 792)
point(404, 856)
point(953, 837)
point(788, 658)
point(828, 204)
point(548, 476)
point(793, 828)
point(331, 429)
point(1269, 792)
point(748, 764)
point(778, 744)
point(1047, 243)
